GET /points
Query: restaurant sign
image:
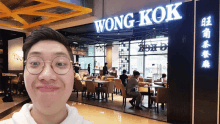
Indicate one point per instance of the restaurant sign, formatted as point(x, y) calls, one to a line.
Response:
point(147, 17)
point(152, 47)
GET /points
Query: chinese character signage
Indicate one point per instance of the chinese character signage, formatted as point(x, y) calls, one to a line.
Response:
point(207, 61)
point(206, 24)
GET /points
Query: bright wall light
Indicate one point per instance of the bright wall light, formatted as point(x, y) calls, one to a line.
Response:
point(18, 55)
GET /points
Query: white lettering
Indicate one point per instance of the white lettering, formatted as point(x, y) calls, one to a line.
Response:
point(100, 25)
point(144, 17)
point(131, 22)
point(119, 22)
point(154, 15)
point(128, 20)
point(171, 11)
point(107, 26)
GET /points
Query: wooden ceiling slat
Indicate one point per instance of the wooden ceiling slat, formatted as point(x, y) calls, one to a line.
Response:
point(45, 4)
point(66, 5)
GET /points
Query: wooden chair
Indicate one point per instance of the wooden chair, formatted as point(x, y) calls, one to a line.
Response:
point(149, 80)
point(165, 85)
point(108, 89)
point(110, 79)
point(161, 97)
point(78, 86)
point(142, 84)
point(91, 88)
point(124, 94)
point(118, 85)
point(103, 78)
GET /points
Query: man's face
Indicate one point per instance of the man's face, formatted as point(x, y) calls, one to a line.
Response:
point(49, 102)
point(136, 76)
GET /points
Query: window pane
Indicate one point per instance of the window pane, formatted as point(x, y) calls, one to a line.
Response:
point(99, 61)
point(156, 46)
point(84, 61)
point(115, 58)
point(136, 63)
point(155, 66)
point(99, 50)
point(91, 50)
point(124, 48)
point(137, 48)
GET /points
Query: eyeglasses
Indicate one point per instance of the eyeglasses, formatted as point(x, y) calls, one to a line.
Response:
point(60, 65)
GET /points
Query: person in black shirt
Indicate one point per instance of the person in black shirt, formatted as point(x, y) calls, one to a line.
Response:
point(105, 69)
point(76, 67)
point(89, 68)
point(123, 78)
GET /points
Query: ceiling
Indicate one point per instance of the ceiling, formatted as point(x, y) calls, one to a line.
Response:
point(25, 14)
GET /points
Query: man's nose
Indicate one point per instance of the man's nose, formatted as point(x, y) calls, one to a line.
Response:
point(47, 73)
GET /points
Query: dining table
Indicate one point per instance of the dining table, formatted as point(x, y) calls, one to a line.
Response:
point(160, 83)
point(146, 91)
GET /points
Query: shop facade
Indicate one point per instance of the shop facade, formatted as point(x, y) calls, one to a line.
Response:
point(186, 49)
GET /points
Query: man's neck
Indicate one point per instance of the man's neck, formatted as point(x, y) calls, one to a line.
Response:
point(41, 118)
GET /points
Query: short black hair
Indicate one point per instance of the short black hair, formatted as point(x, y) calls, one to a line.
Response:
point(124, 71)
point(44, 33)
point(164, 75)
point(136, 73)
point(106, 63)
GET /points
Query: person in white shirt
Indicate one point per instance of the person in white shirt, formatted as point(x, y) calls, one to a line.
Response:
point(131, 90)
point(49, 80)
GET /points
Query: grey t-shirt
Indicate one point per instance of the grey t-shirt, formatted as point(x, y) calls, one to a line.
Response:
point(131, 84)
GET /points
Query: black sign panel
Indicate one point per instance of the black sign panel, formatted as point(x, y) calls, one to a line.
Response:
point(206, 61)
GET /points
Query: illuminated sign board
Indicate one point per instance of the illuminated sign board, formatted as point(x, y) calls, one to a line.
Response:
point(147, 17)
point(206, 23)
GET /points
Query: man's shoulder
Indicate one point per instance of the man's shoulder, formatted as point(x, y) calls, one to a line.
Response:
point(8, 121)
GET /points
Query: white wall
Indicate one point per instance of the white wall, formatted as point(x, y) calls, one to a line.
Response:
point(118, 7)
point(14, 46)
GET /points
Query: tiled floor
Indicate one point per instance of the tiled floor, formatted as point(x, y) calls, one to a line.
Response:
point(116, 105)
point(105, 116)
point(6, 105)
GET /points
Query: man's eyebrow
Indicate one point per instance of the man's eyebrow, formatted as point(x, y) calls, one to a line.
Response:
point(34, 53)
point(60, 53)
point(39, 53)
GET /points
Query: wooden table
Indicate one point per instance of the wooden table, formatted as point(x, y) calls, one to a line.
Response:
point(160, 83)
point(145, 92)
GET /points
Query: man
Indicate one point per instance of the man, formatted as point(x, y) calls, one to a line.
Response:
point(76, 67)
point(105, 69)
point(49, 80)
point(131, 90)
point(124, 78)
point(88, 69)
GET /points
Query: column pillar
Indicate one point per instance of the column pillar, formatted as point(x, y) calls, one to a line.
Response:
point(109, 55)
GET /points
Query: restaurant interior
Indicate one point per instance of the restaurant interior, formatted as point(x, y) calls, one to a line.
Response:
point(99, 96)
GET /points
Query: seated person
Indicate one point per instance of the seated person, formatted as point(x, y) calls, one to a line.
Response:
point(131, 86)
point(48, 78)
point(124, 78)
point(163, 79)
